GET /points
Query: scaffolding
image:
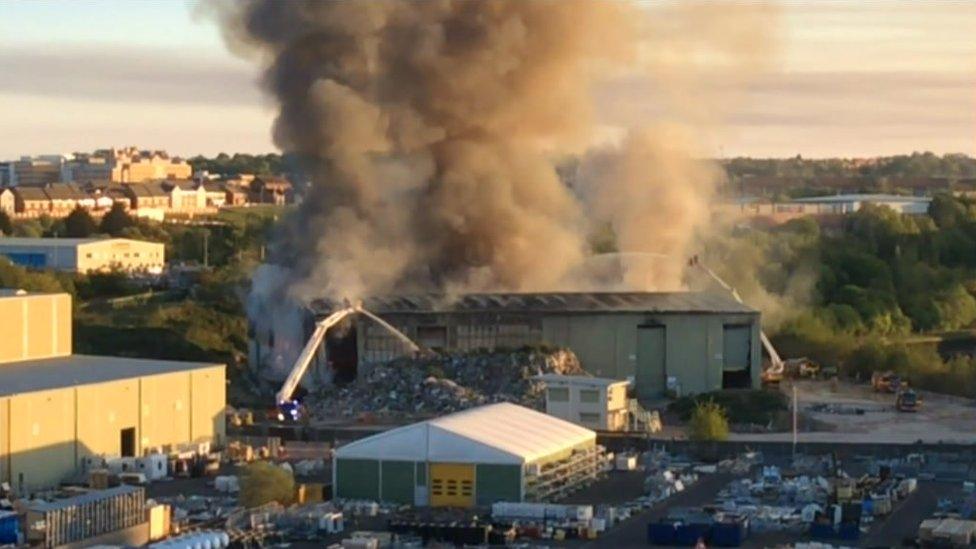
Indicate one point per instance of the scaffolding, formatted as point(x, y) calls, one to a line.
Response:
point(555, 479)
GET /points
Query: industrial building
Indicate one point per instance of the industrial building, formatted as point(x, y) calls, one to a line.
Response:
point(57, 408)
point(498, 452)
point(593, 402)
point(685, 342)
point(85, 255)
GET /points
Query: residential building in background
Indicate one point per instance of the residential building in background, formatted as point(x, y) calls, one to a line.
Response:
point(185, 195)
point(150, 184)
point(59, 409)
point(270, 190)
point(8, 202)
point(85, 255)
point(128, 165)
point(31, 201)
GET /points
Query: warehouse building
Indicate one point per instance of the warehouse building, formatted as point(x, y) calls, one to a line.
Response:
point(85, 255)
point(57, 408)
point(694, 342)
point(498, 452)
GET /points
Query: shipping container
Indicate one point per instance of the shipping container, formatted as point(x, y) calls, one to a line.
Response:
point(660, 533)
point(78, 518)
point(729, 532)
point(9, 527)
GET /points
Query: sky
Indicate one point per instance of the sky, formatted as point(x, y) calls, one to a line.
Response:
point(848, 78)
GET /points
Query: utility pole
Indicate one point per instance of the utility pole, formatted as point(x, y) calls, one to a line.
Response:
point(206, 248)
point(794, 422)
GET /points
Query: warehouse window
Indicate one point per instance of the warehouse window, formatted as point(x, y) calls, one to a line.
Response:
point(467, 488)
point(432, 337)
point(589, 395)
point(559, 394)
point(588, 418)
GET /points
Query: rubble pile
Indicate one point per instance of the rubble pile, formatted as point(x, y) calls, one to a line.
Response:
point(448, 383)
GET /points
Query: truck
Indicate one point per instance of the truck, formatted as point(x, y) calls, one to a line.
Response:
point(885, 382)
point(907, 400)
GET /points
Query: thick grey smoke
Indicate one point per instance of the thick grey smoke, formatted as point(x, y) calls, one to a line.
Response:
point(432, 129)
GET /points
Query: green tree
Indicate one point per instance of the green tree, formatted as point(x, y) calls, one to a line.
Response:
point(79, 224)
point(6, 225)
point(708, 422)
point(116, 220)
point(263, 482)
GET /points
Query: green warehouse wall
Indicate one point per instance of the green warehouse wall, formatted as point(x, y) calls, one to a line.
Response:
point(394, 481)
point(497, 483)
point(357, 479)
point(397, 481)
point(607, 344)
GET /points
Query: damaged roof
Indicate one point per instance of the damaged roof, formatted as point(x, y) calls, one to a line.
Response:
point(582, 302)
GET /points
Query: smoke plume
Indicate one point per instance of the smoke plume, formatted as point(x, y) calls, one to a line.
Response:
point(432, 130)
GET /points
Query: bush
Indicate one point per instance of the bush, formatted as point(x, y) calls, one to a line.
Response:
point(741, 406)
point(263, 482)
point(708, 422)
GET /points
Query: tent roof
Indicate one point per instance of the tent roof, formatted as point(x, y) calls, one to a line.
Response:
point(496, 433)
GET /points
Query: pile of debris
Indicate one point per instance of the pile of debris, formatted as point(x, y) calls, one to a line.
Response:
point(448, 383)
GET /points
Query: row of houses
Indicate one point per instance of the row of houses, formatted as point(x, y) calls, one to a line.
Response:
point(166, 196)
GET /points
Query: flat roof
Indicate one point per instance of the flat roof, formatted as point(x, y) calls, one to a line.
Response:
point(581, 380)
point(28, 376)
point(593, 302)
point(63, 242)
point(81, 499)
point(503, 433)
point(864, 198)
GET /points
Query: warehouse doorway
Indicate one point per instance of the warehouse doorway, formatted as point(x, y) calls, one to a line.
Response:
point(650, 376)
point(737, 356)
point(127, 442)
point(451, 485)
point(342, 352)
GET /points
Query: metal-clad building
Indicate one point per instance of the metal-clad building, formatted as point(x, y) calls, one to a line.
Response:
point(57, 408)
point(702, 341)
point(85, 255)
point(498, 452)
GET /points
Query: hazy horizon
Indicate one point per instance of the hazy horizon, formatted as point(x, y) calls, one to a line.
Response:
point(849, 80)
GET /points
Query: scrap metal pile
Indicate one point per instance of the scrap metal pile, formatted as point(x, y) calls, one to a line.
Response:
point(447, 383)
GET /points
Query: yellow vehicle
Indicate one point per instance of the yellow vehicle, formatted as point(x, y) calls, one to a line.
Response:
point(885, 382)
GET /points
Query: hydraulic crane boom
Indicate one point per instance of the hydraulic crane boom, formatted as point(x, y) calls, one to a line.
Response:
point(315, 340)
point(776, 363)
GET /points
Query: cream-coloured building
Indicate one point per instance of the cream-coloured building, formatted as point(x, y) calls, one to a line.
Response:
point(128, 165)
point(593, 402)
point(57, 408)
point(85, 255)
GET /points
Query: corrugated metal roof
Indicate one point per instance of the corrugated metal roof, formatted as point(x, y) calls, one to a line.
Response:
point(57, 373)
point(81, 499)
point(649, 302)
point(580, 380)
point(501, 433)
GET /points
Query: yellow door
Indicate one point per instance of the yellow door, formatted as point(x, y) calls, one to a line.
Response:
point(451, 485)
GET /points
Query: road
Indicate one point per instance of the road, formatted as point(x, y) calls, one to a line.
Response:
point(908, 514)
point(633, 532)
